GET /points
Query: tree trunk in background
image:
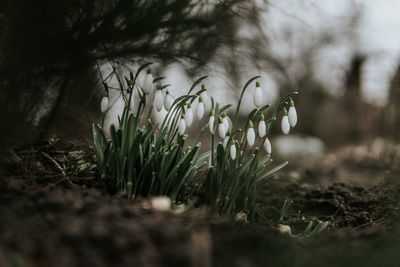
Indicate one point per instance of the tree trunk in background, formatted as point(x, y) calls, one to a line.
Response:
point(392, 110)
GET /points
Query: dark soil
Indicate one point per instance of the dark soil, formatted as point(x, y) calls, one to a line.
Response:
point(47, 219)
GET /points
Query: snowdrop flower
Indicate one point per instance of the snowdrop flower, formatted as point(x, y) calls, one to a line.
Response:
point(168, 101)
point(182, 125)
point(232, 151)
point(258, 95)
point(158, 99)
point(221, 129)
point(284, 229)
point(225, 121)
point(188, 115)
point(262, 128)
point(267, 146)
point(292, 114)
point(251, 135)
point(285, 122)
point(148, 82)
point(200, 109)
point(225, 143)
point(211, 122)
point(104, 103)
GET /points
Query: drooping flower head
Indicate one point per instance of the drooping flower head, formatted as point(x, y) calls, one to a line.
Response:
point(262, 128)
point(211, 122)
point(251, 135)
point(188, 115)
point(168, 101)
point(148, 82)
point(182, 125)
point(158, 98)
point(221, 128)
point(200, 109)
point(292, 114)
point(285, 122)
point(104, 103)
point(225, 142)
point(225, 121)
point(232, 151)
point(267, 146)
point(258, 95)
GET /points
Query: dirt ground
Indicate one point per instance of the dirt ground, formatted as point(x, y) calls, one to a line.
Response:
point(48, 219)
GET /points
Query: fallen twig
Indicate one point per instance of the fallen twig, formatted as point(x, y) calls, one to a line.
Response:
point(57, 165)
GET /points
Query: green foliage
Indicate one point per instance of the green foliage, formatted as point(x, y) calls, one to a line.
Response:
point(231, 184)
point(145, 158)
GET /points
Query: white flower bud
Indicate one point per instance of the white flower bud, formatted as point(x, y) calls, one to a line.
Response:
point(292, 114)
point(200, 109)
point(267, 146)
point(232, 151)
point(211, 123)
point(225, 143)
point(258, 96)
point(189, 116)
point(168, 101)
point(104, 104)
point(251, 135)
point(158, 100)
point(262, 128)
point(148, 83)
point(221, 130)
point(182, 126)
point(225, 121)
point(285, 123)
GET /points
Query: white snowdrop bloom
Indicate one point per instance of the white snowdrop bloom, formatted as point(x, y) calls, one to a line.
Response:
point(232, 151)
point(258, 95)
point(211, 123)
point(221, 129)
point(267, 146)
point(262, 128)
point(158, 100)
point(292, 114)
point(251, 135)
point(161, 203)
point(182, 126)
point(200, 109)
point(188, 115)
point(225, 143)
point(104, 104)
point(285, 123)
point(148, 82)
point(168, 101)
point(225, 121)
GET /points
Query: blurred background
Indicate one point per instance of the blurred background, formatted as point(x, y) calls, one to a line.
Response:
point(342, 56)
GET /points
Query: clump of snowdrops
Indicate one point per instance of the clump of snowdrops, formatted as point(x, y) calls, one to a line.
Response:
point(145, 158)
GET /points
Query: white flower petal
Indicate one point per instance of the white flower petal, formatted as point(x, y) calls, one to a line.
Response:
point(211, 124)
point(221, 130)
point(200, 110)
point(158, 100)
point(232, 151)
point(104, 104)
point(189, 117)
point(182, 126)
point(251, 136)
point(168, 101)
point(267, 146)
point(225, 121)
point(285, 125)
point(148, 84)
point(225, 143)
point(262, 129)
point(258, 97)
point(292, 114)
